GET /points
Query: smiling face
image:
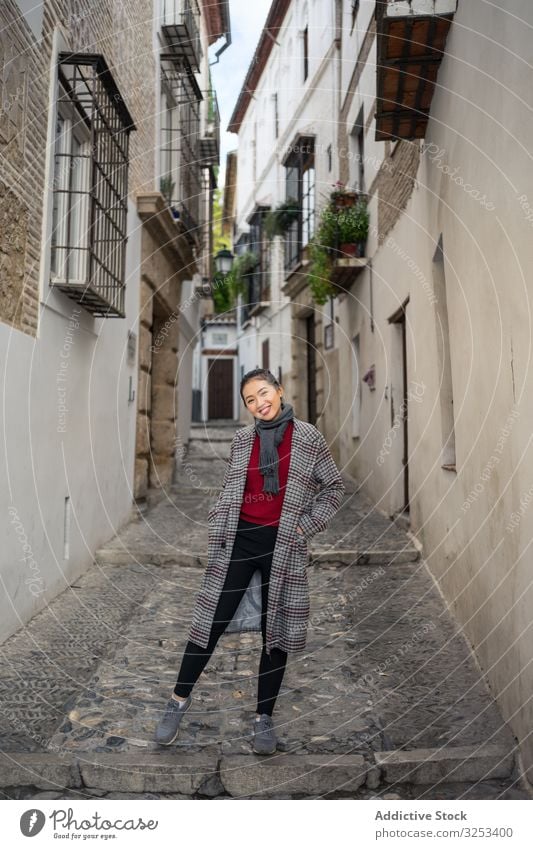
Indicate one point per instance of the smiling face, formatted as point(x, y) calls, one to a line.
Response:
point(262, 399)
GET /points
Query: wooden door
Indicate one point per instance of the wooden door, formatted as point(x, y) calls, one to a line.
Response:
point(220, 389)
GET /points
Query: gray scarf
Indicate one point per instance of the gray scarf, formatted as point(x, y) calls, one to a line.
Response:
point(270, 435)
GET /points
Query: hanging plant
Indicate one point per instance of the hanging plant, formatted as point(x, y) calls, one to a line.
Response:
point(319, 274)
point(243, 265)
point(278, 221)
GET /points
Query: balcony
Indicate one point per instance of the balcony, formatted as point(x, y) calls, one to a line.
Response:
point(180, 133)
point(259, 294)
point(296, 272)
point(189, 217)
point(209, 149)
point(346, 270)
point(171, 234)
point(411, 38)
point(180, 27)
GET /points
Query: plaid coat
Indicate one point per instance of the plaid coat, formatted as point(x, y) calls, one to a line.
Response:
point(313, 495)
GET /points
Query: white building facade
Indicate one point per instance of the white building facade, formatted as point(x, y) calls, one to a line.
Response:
point(417, 370)
point(293, 78)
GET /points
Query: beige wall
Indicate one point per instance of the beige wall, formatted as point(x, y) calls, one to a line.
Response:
point(474, 522)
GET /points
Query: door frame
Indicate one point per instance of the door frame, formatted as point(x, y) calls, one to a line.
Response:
point(399, 485)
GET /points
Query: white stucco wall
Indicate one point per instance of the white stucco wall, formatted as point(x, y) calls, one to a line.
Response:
point(475, 187)
point(86, 453)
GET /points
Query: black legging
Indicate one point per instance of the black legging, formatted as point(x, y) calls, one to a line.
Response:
point(253, 549)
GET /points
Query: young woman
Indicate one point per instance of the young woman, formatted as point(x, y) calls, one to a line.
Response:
point(281, 486)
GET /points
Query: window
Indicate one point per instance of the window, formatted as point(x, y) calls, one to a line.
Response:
point(330, 157)
point(356, 390)
point(90, 185)
point(308, 204)
point(357, 153)
point(276, 114)
point(355, 9)
point(242, 246)
point(300, 185)
point(306, 52)
point(254, 153)
point(444, 358)
point(170, 143)
point(180, 133)
point(70, 222)
point(259, 244)
point(265, 354)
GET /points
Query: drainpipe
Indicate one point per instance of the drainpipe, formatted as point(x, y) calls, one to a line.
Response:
point(227, 36)
point(338, 60)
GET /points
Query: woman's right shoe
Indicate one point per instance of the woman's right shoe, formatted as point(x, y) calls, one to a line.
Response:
point(265, 742)
point(169, 725)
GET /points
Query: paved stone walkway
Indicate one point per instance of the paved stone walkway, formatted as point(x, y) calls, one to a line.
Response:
point(386, 698)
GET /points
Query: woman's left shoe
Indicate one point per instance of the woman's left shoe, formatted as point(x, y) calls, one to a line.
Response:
point(265, 741)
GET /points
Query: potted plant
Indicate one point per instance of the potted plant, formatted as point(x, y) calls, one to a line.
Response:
point(166, 187)
point(341, 197)
point(352, 229)
point(340, 232)
point(318, 276)
point(278, 220)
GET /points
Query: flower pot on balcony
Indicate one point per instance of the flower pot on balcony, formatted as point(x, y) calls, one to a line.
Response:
point(348, 249)
point(341, 200)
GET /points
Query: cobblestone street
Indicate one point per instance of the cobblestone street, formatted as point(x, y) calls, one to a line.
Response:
point(386, 700)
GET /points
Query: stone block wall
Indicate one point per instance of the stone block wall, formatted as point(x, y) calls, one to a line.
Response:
point(395, 183)
point(122, 32)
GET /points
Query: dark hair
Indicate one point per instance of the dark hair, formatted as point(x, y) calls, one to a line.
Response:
point(260, 374)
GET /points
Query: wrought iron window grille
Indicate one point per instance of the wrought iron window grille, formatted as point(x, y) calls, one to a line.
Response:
point(259, 244)
point(300, 184)
point(90, 185)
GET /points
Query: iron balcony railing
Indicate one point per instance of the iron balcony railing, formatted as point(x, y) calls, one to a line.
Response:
point(210, 141)
point(180, 136)
point(293, 245)
point(190, 181)
point(180, 25)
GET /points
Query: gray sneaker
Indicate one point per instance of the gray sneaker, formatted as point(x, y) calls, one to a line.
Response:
point(169, 724)
point(265, 741)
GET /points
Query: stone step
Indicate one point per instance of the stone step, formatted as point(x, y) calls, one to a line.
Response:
point(170, 556)
point(207, 773)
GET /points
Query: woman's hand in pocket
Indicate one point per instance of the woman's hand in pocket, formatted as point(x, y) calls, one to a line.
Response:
point(300, 536)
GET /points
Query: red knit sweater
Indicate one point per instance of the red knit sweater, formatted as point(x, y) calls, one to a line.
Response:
point(264, 508)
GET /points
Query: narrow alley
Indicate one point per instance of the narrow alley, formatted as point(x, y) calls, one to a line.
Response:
point(385, 702)
point(265, 341)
